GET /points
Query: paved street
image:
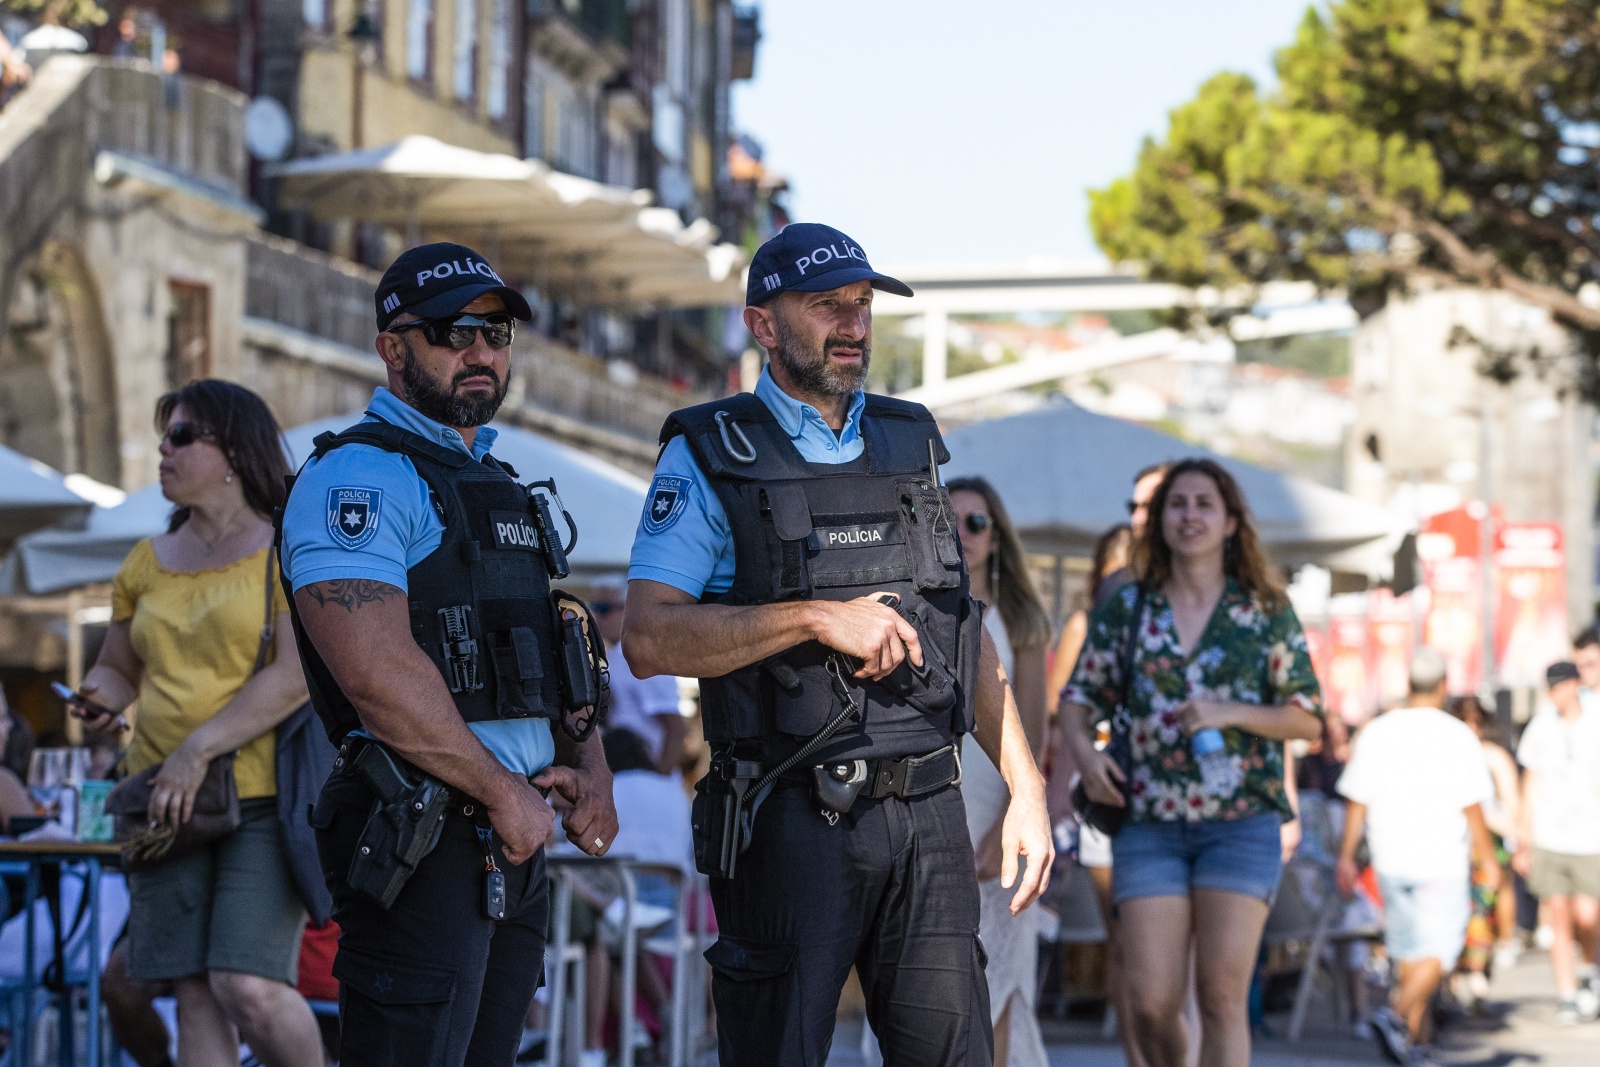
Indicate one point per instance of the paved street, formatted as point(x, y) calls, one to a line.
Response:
point(1519, 1029)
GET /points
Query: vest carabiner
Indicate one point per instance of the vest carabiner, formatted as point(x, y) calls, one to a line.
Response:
point(724, 424)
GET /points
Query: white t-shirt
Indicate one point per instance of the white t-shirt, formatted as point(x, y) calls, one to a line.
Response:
point(652, 819)
point(635, 702)
point(1417, 770)
point(1566, 797)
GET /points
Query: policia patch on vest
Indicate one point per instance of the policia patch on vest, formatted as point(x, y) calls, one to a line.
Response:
point(353, 513)
point(514, 530)
point(669, 495)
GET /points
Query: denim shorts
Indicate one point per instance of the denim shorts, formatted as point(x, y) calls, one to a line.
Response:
point(1425, 920)
point(1168, 859)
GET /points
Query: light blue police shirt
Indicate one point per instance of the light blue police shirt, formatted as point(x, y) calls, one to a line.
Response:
point(684, 539)
point(363, 512)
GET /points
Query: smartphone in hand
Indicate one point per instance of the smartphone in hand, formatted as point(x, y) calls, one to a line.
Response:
point(82, 707)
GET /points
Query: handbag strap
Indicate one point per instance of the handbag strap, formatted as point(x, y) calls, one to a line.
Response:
point(1119, 720)
point(269, 623)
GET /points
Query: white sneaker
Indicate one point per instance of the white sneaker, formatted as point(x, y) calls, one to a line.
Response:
point(1587, 1001)
point(1567, 1014)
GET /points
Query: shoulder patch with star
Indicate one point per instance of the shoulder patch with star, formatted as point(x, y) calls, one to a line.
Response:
point(353, 515)
point(669, 495)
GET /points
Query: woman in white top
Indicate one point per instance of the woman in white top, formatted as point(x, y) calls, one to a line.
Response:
point(1017, 622)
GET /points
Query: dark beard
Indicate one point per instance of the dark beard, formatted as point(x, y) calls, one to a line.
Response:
point(426, 395)
point(810, 371)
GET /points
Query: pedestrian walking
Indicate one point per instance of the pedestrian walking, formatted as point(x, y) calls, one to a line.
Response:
point(1558, 836)
point(200, 640)
point(1423, 821)
point(438, 657)
point(1202, 648)
point(799, 555)
point(1017, 624)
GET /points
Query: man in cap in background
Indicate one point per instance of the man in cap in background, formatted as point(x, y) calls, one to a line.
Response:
point(1558, 836)
point(1423, 820)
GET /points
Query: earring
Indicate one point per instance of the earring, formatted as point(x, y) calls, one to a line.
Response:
point(228, 478)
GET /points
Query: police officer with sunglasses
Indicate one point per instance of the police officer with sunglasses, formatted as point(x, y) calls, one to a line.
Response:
point(799, 555)
point(432, 644)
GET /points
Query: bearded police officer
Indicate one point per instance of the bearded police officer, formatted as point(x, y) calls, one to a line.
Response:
point(798, 554)
point(439, 660)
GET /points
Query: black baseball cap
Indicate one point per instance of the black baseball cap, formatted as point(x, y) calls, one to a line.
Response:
point(808, 257)
point(432, 281)
point(1564, 671)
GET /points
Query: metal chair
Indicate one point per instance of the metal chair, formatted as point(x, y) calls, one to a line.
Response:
point(1309, 909)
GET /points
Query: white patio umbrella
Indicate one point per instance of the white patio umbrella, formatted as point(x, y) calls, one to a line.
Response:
point(33, 496)
point(600, 242)
point(1065, 475)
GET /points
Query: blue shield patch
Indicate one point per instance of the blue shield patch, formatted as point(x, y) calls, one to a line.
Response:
point(669, 495)
point(353, 514)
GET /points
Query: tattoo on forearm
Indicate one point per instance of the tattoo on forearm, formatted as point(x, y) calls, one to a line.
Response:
point(352, 593)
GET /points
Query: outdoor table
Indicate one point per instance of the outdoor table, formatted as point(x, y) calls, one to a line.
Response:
point(35, 854)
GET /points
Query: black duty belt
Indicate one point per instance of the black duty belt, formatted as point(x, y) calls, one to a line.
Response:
point(905, 776)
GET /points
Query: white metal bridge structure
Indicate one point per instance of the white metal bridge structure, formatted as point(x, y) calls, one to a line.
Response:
point(1278, 309)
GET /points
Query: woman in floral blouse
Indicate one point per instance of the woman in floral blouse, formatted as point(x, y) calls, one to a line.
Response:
point(1217, 646)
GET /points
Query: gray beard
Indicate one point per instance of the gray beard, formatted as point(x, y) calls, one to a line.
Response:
point(427, 396)
point(809, 369)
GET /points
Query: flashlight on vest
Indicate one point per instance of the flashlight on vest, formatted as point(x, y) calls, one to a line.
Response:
point(555, 554)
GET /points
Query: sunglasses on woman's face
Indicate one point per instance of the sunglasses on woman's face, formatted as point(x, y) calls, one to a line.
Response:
point(458, 331)
point(977, 522)
point(184, 434)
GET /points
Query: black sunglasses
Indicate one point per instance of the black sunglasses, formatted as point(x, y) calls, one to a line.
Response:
point(1132, 506)
point(602, 608)
point(184, 434)
point(977, 522)
point(457, 331)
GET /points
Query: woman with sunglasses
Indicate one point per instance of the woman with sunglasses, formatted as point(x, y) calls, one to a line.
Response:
point(1220, 678)
point(1017, 622)
point(221, 923)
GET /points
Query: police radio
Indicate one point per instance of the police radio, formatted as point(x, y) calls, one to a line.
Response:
point(555, 554)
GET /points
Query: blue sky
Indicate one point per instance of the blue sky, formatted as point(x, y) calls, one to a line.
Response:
point(954, 131)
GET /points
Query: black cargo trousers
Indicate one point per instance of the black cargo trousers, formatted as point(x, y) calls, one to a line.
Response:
point(431, 982)
point(889, 889)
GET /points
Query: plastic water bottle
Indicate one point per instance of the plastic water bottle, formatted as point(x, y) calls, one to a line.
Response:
point(1216, 768)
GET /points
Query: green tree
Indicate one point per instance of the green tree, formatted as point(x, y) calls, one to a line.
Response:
point(78, 13)
point(1407, 137)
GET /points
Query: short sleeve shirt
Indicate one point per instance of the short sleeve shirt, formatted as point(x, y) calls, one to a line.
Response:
point(1416, 808)
point(1245, 656)
point(684, 539)
point(1566, 795)
point(362, 512)
point(197, 633)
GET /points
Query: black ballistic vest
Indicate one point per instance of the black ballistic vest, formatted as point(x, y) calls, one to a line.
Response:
point(480, 603)
point(819, 531)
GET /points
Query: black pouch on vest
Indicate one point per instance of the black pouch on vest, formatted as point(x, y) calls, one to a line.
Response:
point(585, 674)
point(931, 541)
point(930, 688)
point(517, 665)
point(786, 508)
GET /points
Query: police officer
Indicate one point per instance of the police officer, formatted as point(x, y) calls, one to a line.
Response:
point(423, 608)
point(798, 554)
